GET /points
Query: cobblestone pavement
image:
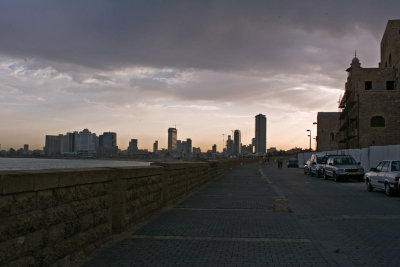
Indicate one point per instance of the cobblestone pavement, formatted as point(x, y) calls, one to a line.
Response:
point(353, 226)
point(232, 221)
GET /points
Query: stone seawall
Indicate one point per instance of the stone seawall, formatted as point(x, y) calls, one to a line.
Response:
point(58, 216)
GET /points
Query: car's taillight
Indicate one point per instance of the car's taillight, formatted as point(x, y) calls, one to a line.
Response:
point(397, 178)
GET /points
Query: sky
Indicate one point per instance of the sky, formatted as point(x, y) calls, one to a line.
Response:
point(206, 67)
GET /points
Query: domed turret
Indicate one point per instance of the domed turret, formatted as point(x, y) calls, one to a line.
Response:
point(355, 62)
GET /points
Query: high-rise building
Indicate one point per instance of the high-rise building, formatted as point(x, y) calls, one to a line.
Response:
point(133, 146)
point(71, 145)
point(52, 145)
point(237, 143)
point(179, 145)
point(261, 134)
point(214, 148)
point(188, 146)
point(26, 148)
point(108, 144)
point(229, 145)
point(155, 147)
point(108, 139)
point(172, 136)
point(87, 143)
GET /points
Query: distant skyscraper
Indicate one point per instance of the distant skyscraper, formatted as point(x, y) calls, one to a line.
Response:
point(108, 144)
point(188, 146)
point(237, 143)
point(172, 136)
point(178, 145)
point(26, 148)
point(108, 140)
point(155, 147)
point(229, 145)
point(52, 145)
point(88, 142)
point(133, 146)
point(214, 148)
point(261, 134)
point(72, 142)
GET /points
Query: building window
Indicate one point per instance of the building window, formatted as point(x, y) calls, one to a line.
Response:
point(389, 85)
point(368, 85)
point(377, 121)
point(390, 60)
point(332, 135)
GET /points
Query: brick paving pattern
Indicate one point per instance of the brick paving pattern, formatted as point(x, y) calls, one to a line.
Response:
point(229, 222)
point(232, 222)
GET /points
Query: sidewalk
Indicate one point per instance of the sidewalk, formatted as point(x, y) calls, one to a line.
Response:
point(230, 221)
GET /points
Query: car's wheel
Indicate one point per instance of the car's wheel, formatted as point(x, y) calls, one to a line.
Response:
point(325, 176)
point(318, 174)
point(369, 186)
point(388, 190)
point(336, 178)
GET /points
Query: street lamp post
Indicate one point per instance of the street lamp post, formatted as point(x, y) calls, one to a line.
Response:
point(310, 138)
point(316, 136)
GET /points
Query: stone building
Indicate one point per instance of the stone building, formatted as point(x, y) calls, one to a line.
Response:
point(370, 106)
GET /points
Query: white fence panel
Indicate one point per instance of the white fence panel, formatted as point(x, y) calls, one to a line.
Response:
point(368, 157)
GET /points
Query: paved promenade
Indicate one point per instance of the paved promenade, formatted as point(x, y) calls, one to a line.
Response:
point(231, 221)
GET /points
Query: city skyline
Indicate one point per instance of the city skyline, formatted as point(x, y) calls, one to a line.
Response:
point(138, 68)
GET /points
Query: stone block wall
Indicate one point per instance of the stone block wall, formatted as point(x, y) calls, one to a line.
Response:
point(52, 216)
point(56, 217)
point(137, 193)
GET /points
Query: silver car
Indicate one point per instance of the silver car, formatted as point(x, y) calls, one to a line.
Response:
point(317, 163)
point(343, 167)
point(385, 176)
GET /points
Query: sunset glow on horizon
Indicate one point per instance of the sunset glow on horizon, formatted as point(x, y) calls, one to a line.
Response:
point(209, 67)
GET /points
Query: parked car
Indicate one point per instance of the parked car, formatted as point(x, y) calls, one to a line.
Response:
point(343, 167)
point(293, 163)
point(317, 164)
point(306, 167)
point(385, 176)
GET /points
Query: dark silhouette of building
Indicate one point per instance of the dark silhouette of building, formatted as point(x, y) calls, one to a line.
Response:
point(237, 143)
point(261, 134)
point(172, 138)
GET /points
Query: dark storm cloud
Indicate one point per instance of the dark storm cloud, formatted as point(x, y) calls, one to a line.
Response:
point(216, 35)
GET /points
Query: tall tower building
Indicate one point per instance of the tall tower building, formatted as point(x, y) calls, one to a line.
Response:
point(261, 134)
point(237, 143)
point(133, 146)
point(172, 136)
point(188, 146)
point(229, 145)
point(155, 146)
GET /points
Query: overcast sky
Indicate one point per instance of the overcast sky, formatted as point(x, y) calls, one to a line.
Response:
point(208, 67)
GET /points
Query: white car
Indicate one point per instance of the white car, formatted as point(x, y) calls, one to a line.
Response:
point(385, 176)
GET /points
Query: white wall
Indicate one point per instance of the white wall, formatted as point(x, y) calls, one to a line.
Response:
point(368, 157)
